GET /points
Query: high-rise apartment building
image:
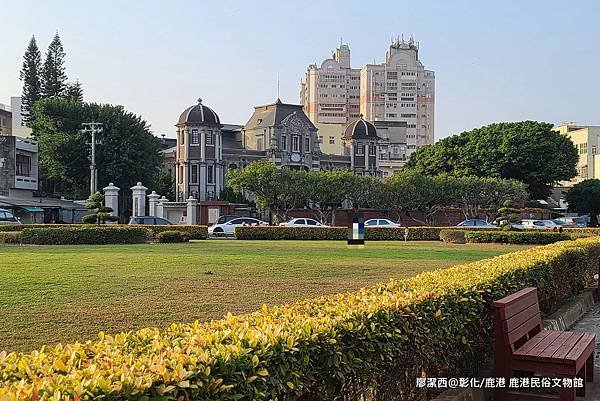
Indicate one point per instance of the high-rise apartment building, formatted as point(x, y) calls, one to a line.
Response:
point(398, 96)
point(400, 90)
point(587, 141)
point(330, 93)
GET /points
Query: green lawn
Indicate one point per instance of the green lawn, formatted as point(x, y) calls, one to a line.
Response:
point(67, 293)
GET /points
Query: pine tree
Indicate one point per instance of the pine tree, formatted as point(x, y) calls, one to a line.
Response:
point(74, 91)
point(30, 75)
point(54, 79)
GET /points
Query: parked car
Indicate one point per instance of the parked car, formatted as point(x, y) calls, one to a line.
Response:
point(539, 224)
point(578, 222)
point(228, 228)
point(476, 223)
point(225, 218)
point(7, 217)
point(150, 221)
point(381, 223)
point(302, 222)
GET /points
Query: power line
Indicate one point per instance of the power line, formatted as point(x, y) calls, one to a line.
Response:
point(93, 128)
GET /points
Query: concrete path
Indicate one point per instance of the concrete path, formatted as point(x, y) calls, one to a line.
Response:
point(591, 322)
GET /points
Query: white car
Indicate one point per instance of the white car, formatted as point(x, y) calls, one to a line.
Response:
point(302, 222)
point(228, 228)
point(539, 224)
point(381, 223)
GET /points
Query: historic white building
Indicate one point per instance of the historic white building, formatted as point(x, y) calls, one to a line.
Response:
point(278, 132)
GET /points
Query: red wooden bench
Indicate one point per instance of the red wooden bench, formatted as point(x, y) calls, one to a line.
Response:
point(522, 346)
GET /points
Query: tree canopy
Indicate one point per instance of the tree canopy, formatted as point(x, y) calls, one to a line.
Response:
point(406, 192)
point(128, 151)
point(584, 198)
point(527, 151)
point(30, 75)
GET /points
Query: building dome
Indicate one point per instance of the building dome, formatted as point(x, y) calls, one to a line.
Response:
point(360, 129)
point(199, 114)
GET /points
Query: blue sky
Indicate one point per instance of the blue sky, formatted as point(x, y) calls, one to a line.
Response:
point(494, 61)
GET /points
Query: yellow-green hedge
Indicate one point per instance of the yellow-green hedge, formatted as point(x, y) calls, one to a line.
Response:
point(9, 237)
point(335, 233)
point(438, 323)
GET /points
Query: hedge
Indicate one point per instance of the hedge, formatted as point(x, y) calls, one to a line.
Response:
point(335, 233)
point(453, 236)
point(291, 233)
point(170, 237)
point(85, 235)
point(375, 340)
point(9, 237)
point(193, 232)
point(516, 237)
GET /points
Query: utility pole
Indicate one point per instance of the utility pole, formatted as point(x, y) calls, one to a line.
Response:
point(93, 128)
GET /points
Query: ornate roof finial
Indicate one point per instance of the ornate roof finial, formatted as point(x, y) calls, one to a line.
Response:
point(361, 116)
point(199, 100)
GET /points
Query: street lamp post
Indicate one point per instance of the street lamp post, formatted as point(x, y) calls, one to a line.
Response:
point(93, 128)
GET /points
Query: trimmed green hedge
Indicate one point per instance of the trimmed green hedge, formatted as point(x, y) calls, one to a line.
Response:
point(171, 237)
point(397, 234)
point(85, 235)
point(453, 236)
point(378, 339)
point(193, 232)
point(9, 237)
point(291, 233)
point(516, 237)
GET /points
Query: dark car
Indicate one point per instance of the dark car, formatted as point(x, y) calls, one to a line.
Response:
point(150, 221)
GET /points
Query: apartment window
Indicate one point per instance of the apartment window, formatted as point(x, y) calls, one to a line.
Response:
point(283, 142)
point(306, 145)
point(209, 138)
point(332, 140)
point(194, 139)
point(23, 165)
point(360, 149)
point(295, 143)
point(194, 173)
point(210, 174)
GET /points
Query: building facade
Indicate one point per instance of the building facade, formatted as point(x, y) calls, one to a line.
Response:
point(330, 93)
point(277, 132)
point(18, 166)
point(398, 96)
point(5, 121)
point(587, 141)
point(401, 90)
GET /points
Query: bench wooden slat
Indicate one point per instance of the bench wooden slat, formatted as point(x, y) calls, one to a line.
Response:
point(578, 350)
point(515, 303)
point(539, 342)
point(562, 351)
point(521, 317)
point(551, 349)
point(518, 333)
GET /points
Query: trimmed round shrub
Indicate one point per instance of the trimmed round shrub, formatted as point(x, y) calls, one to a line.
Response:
point(171, 237)
point(453, 236)
point(89, 219)
point(10, 237)
point(85, 235)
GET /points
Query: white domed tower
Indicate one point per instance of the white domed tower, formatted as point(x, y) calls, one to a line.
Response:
point(199, 171)
point(360, 143)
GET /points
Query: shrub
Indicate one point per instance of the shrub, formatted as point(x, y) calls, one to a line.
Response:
point(170, 237)
point(85, 235)
point(89, 219)
point(334, 347)
point(10, 237)
point(397, 234)
point(453, 236)
point(516, 237)
point(291, 233)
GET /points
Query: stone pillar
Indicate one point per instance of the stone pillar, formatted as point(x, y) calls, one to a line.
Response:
point(202, 187)
point(186, 179)
point(160, 211)
point(153, 204)
point(203, 145)
point(352, 155)
point(139, 200)
point(218, 180)
point(111, 198)
point(192, 204)
point(367, 149)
